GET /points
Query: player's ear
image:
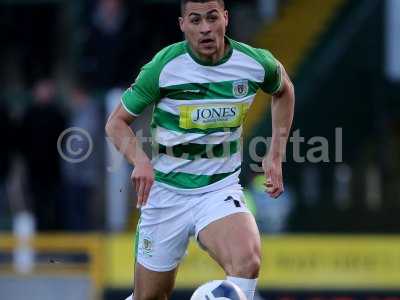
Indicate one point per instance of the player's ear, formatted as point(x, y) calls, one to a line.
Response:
point(181, 25)
point(226, 17)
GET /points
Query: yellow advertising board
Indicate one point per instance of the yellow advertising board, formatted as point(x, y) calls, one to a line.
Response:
point(345, 262)
point(290, 262)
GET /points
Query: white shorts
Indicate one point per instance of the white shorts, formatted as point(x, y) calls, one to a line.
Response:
point(169, 220)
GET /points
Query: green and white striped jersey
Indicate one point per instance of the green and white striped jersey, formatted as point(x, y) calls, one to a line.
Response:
point(199, 109)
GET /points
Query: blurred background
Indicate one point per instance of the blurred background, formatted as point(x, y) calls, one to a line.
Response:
point(67, 219)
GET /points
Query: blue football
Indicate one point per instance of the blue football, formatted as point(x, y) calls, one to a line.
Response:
point(218, 290)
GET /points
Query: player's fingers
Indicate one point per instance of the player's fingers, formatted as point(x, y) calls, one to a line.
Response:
point(140, 190)
point(276, 193)
point(268, 182)
point(279, 179)
point(269, 188)
point(134, 184)
point(279, 186)
point(149, 183)
point(273, 191)
point(275, 179)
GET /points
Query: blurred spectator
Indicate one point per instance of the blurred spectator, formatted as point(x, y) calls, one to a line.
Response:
point(41, 126)
point(81, 178)
point(272, 215)
point(30, 47)
point(6, 150)
point(106, 51)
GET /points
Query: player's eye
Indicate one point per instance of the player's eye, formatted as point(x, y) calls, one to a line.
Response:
point(212, 18)
point(195, 20)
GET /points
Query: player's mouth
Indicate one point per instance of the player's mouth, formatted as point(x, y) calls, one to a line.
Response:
point(206, 42)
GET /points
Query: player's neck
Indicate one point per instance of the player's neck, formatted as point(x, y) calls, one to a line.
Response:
point(216, 57)
point(219, 54)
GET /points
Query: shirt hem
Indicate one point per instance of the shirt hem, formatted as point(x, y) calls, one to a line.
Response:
point(229, 180)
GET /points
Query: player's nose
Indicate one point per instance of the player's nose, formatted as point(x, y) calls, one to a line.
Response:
point(205, 27)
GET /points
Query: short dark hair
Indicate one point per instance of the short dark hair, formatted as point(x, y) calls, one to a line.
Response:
point(184, 2)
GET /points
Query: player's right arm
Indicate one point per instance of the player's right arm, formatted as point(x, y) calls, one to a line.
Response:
point(125, 141)
point(278, 84)
point(144, 92)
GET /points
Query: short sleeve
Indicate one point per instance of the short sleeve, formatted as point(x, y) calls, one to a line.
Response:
point(273, 73)
point(144, 91)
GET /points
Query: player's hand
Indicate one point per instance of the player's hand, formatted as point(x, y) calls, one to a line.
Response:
point(142, 179)
point(273, 173)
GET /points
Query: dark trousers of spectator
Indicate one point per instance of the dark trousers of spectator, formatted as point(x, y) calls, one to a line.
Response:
point(5, 214)
point(77, 217)
point(46, 206)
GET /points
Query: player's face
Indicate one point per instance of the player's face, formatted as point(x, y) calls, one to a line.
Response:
point(204, 26)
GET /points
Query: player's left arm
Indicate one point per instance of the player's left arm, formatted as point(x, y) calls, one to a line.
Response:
point(282, 110)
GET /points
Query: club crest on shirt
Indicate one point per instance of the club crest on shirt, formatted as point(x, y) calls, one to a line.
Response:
point(240, 88)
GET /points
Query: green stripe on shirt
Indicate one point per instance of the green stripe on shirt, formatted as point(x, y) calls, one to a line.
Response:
point(192, 151)
point(211, 90)
point(189, 181)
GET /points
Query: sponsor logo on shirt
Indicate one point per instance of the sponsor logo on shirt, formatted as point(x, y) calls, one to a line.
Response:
point(212, 116)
